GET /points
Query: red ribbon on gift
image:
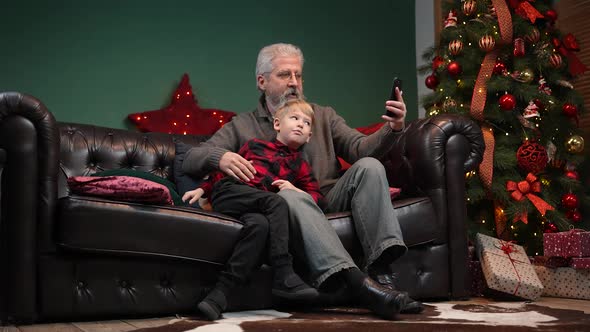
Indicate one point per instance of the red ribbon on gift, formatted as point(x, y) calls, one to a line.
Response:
point(525, 9)
point(526, 189)
point(567, 47)
point(508, 247)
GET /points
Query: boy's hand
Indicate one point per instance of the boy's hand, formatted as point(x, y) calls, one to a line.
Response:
point(284, 184)
point(192, 195)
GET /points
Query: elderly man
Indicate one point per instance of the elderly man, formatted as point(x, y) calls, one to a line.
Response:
point(362, 189)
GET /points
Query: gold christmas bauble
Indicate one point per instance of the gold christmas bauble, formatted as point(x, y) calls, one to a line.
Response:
point(527, 75)
point(574, 144)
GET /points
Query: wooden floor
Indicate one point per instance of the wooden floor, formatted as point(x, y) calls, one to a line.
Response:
point(132, 324)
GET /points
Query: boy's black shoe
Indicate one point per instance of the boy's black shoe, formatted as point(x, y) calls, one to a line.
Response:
point(292, 287)
point(213, 304)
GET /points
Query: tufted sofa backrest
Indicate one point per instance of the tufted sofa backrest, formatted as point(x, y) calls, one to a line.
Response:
point(87, 149)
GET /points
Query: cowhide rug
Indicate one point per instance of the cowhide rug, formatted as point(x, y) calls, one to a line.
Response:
point(502, 316)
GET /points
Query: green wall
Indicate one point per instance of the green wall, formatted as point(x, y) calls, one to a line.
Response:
point(97, 61)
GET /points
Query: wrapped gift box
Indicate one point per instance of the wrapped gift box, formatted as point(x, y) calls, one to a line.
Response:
point(580, 263)
point(564, 282)
point(573, 243)
point(507, 268)
point(551, 262)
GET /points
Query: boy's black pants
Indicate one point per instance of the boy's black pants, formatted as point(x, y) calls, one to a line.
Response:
point(239, 200)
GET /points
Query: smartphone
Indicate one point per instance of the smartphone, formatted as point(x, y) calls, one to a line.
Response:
point(392, 96)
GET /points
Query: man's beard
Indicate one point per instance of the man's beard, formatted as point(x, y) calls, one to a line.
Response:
point(275, 103)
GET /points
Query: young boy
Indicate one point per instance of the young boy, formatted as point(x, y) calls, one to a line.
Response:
point(279, 165)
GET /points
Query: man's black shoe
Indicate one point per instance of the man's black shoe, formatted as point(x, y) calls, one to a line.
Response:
point(382, 301)
point(411, 307)
point(293, 288)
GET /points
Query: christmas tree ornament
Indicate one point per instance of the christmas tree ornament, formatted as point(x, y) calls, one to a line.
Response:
point(550, 228)
point(567, 48)
point(527, 189)
point(449, 104)
point(531, 111)
point(492, 11)
point(570, 110)
point(572, 175)
point(555, 60)
point(431, 81)
point(500, 68)
point(551, 16)
point(533, 36)
point(574, 144)
point(507, 102)
point(454, 68)
point(487, 43)
point(469, 7)
point(569, 201)
point(455, 47)
point(451, 20)
point(433, 111)
point(437, 62)
point(551, 150)
point(543, 87)
point(574, 215)
point(531, 157)
point(539, 104)
point(565, 84)
point(518, 47)
point(182, 116)
point(524, 76)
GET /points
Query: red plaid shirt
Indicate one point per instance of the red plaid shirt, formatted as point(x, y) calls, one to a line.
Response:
point(273, 161)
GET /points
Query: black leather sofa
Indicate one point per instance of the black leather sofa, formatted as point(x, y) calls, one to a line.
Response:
point(68, 257)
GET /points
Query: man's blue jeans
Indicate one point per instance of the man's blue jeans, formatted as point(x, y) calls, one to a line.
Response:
point(364, 190)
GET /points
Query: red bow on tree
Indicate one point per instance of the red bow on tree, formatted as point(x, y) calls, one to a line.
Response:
point(526, 189)
point(525, 9)
point(567, 47)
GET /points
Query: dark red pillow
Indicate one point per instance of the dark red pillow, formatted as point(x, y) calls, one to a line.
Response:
point(122, 188)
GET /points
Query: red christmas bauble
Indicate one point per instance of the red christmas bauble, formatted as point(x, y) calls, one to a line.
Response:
point(555, 60)
point(507, 102)
point(455, 47)
point(533, 36)
point(487, 43)
point(573, 175)
point(574, 215)
point(532, 157)
point(570, 110)
point(499, 68)
point(469, 7)
point(454, 68)
point(437, 62)
point(569, 201)
point(431, 81)
point(550, 228)
point(551, 15)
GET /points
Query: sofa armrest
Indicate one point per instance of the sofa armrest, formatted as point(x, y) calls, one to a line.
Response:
point(29, 135)
point(430, 159)
point(416, 162)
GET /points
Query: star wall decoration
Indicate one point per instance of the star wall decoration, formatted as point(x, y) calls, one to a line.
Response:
point(182, 116)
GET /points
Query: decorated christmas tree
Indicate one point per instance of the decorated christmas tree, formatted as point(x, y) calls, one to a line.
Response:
point(507, 66)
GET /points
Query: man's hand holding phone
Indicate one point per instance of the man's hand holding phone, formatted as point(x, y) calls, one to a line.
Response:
point(395, 108)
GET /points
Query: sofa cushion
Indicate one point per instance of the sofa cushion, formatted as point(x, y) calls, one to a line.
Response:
point(124, 188)
point(94, 224)
point(100, 225)
point(146, 176)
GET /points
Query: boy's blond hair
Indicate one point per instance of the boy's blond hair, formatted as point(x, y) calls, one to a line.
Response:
point(292, 105)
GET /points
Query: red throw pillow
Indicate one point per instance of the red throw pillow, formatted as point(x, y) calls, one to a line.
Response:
point(123, 188)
